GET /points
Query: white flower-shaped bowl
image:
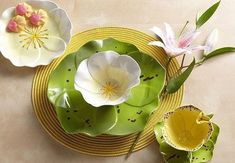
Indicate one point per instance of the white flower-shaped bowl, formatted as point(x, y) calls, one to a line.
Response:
point(22, 49)
point(106, 78)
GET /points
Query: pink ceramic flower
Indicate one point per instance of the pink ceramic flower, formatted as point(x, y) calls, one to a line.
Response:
point(16, 24)
point(23, 9)
point(173, 46)
point(12, 26)
point(38, 17)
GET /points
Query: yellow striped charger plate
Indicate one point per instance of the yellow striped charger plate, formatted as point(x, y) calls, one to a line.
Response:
point(103, 145)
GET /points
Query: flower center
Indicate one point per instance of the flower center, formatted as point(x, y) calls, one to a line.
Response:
point(33, 37)
point(110, 89)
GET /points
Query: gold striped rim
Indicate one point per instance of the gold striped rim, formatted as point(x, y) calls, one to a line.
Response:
point(103, 145)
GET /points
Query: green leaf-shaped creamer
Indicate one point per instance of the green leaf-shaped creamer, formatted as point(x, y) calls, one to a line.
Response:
point(172, 155)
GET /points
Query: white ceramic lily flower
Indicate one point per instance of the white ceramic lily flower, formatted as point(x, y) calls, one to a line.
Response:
point(211, 41)
point(34, 45)
point(106, 78)
point(175, 47)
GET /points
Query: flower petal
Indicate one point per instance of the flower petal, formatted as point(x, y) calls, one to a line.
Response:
point(177, 51)
point(54, 44)
point(4, 20)
point(187, 39)
point(84, 81)
point(52, 48)
point(8, 14)
point(211, 41)
point(159, 33)
point(28, 57)
point(108, 65)
point(100, 61)
point(46, 5)
point(119, 100)
point(95, 99)
point(169, 50)
point(197, 48)
point(129, 65)
point(63, 23)
point(170, 35)
point(157, 43)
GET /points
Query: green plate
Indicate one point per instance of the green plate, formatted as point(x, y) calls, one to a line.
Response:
point(76, 116)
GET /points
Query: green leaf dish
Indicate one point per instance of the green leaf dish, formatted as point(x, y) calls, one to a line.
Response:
point(77, 116)
point(172, 155)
